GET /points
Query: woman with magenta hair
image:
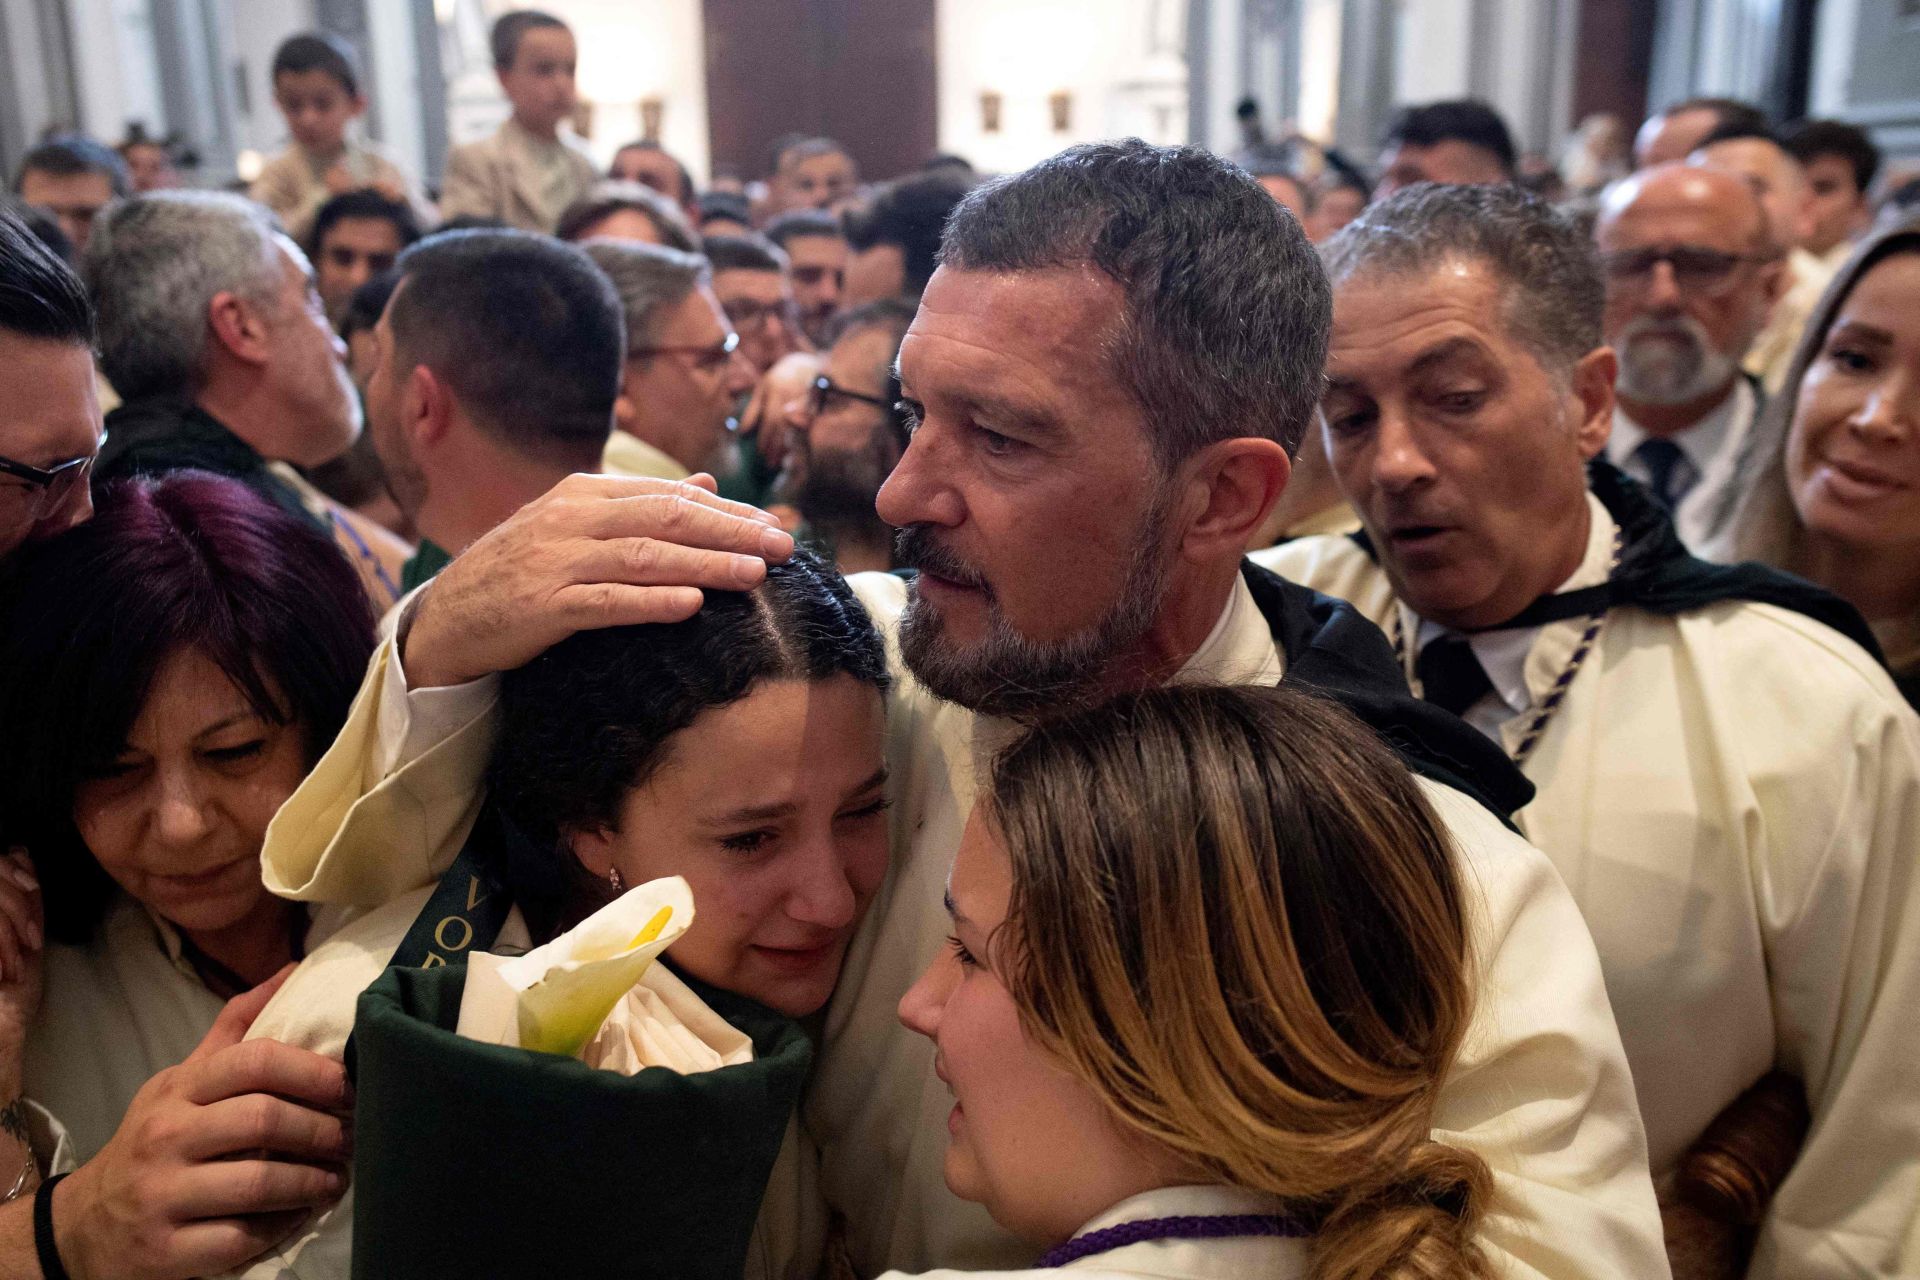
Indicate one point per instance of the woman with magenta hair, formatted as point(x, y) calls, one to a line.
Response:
point(169, 672)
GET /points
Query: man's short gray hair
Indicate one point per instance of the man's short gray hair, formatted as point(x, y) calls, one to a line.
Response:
point(1546, 265)
point(1223, 331)
point(650, 279)
point(154, 264)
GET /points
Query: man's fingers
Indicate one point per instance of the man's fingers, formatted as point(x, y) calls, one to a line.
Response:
point(215, 1245)
point(647, 562)
point(592, 606)
point(238, 1188)
point(12, 966)
point(700, 489)
point(230, 1028)
point(675, 518)
point(258, 1122)
point(267, 1066)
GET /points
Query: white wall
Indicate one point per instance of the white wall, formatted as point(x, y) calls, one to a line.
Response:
point(1433, 50)
point(115, 70)
point(1121, 60)
point(254, 30)
point(23, 76)
point(392, 72)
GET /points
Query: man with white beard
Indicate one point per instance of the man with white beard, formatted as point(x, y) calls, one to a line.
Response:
point(1693, 269)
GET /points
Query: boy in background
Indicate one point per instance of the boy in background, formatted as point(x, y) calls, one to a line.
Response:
point(317, 89)
point(526, 174)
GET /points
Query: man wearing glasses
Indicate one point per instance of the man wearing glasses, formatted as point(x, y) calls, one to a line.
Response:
point(750, 279)
point(684, 373)
point(50, 426)
point(852, 438)
point(1693, 270)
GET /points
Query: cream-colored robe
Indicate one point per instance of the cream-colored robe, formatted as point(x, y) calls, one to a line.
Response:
point(113, 1014)
point(1541, 1089)
point(294, 185)
point(1733, 795)
point(628, 455)
point(1269, 1258)
point(521, 180)
point(1771, 354)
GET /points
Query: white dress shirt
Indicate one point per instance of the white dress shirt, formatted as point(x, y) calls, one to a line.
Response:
point(1712, 448)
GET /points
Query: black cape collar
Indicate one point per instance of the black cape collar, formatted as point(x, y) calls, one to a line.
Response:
point(1332, 648)
point(1659, 575)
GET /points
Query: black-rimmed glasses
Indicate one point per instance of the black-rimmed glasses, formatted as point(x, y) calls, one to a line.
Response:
point(709, 357)
point(825, 390)
point(47, 488)
point(1698, 270)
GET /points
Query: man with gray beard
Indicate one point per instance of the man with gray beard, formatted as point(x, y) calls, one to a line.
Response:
point(1693, 270)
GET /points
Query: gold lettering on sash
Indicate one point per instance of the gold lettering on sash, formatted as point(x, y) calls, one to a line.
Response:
point(433, 958)
point(473, 892)
point(466, 933)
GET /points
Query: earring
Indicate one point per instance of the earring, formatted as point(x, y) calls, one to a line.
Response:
point(616, 881)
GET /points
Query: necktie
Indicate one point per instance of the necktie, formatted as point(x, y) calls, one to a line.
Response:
point(1669, 474)
point(1451, 677)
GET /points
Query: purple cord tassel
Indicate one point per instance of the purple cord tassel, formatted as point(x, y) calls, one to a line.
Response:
point(1214, 1227)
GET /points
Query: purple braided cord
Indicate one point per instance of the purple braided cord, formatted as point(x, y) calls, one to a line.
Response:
point(1214, 1227)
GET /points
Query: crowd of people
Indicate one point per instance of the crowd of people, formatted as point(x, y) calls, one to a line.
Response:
point(1265, 715)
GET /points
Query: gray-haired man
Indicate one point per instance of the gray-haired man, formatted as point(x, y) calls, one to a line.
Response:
point(214, 335)
point(1727, 779)
point(1101, 426)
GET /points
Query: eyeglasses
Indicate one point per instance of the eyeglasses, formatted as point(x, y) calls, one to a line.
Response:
point(752, 317)
point(825, 389)
point(703, 357)
point(46, 488)
point(1707, 272)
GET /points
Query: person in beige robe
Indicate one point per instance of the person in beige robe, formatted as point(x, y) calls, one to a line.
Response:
point(1541, 1090)
point(1727, 779)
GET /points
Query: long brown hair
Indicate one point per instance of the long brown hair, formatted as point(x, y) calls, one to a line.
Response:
point(1766, 526)
point(1236, 918)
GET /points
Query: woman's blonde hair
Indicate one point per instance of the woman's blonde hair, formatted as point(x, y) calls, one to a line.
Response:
point(1237, 919)
point(1766, 526)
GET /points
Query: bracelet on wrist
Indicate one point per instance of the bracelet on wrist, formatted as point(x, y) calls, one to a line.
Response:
point(51, 1267)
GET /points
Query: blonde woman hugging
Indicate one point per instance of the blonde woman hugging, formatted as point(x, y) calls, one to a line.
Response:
point(1208, 968)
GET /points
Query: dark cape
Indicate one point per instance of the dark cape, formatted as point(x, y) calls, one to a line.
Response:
point(158, 434)
point(1660, 575)
point(1332, 648)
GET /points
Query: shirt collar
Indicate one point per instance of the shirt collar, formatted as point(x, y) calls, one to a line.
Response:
point(1240, 648)
point(1504, 654)
point(1702, 442)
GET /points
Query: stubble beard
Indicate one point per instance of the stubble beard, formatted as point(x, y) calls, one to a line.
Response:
point(1008, 674)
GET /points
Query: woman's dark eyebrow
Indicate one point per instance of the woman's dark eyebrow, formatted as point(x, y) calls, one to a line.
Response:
point(1861, 331)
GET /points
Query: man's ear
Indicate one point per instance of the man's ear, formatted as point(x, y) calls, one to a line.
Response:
point(1230, 488)
point(427, 408)
point(1593, 378)
point(240, 327)
point(625, 413)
